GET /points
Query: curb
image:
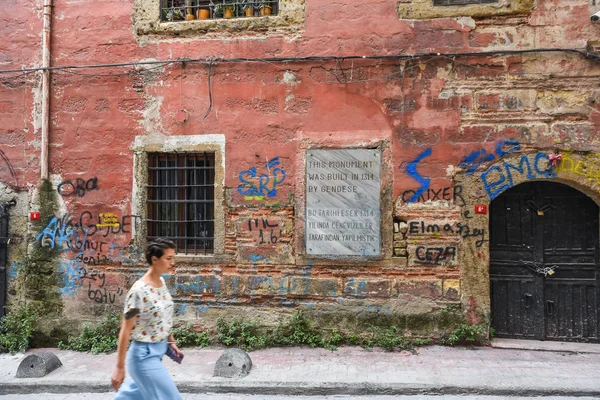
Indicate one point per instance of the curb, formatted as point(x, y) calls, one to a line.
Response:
point(306, 389)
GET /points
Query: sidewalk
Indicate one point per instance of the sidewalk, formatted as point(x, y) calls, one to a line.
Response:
point(347, 371)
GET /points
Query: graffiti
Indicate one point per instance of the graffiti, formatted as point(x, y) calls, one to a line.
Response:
point(469, 163)
point(58, 232)
point(411, 168)
point(267, 182)
point(355, 288)
point(14, 270)
point(257, 257)
point(65, 233)
point(103, 295)
point(498, 179)
point(78, 188)
point(435, 255)
point(448, 194)
point(264, 226)
point(198, 284)
point(108, 219)
point(588, 167)
point(93, 276)
point(475, 159)
point(460, 229)
point(73, 276)
point(100, 259)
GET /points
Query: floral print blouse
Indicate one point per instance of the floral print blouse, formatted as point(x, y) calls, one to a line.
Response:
point(154, 308)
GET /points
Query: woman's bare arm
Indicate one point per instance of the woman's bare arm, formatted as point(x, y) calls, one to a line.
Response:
point(118, 375)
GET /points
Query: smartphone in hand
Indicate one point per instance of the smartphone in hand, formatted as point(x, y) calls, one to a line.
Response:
point(173, 355)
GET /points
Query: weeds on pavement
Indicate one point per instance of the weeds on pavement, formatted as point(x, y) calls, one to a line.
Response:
point(16, 329)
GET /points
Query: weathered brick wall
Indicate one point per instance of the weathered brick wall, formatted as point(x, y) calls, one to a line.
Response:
point(442, 122)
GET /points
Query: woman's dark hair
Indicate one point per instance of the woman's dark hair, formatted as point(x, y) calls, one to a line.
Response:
point(156, 248)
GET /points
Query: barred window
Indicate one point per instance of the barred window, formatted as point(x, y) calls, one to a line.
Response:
point(187, 10)
point(181, 200)
point(461, 2)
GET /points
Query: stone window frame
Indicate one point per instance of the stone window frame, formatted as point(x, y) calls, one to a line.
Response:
point(425, 9)
point(147, 23)
point(210, 143)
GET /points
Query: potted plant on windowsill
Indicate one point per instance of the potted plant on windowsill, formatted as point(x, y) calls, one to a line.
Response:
point(265, 7)
point(247, 7)
point(189, 11)
point(228, 10)
point(216, 9)
point(203, 13)
point(173, 14)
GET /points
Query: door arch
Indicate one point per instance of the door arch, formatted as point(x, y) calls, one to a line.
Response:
point(544, 275)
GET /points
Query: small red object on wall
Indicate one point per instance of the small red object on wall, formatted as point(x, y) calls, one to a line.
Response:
point(480, 209)
point(34, 215)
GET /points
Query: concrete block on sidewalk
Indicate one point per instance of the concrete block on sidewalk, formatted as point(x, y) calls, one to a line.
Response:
point(233, 363)
point(38, 364)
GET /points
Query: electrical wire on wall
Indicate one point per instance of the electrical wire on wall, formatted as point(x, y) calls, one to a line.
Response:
point(341, 74)
point(586, 54)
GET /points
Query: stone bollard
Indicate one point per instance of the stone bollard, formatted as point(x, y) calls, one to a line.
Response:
point(38, 364)
point(233, 363)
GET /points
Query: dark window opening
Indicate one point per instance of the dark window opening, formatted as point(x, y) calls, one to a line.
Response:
point(461, 2)
point(186, 10)
point(181, 197)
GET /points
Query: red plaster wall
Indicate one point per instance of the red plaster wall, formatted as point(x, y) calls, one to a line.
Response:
point(451, 106)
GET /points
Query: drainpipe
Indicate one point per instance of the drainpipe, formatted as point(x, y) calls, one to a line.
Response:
point(46, 87)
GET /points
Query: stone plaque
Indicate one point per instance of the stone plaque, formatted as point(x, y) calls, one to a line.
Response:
point(343, 211)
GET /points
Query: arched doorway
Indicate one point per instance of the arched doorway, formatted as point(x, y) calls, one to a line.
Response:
point(544, 276)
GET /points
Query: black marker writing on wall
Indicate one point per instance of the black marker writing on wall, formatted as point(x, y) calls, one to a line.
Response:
point(78, 188)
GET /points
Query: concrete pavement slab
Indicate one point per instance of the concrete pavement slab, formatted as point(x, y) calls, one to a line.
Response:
point(346, 371)
point(544, 345)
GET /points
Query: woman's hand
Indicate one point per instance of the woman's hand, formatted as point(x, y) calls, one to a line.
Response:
point(117, 378)
point(175, 349)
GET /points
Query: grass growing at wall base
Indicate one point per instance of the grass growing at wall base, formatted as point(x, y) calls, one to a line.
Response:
point(16, 329)
point(101, 338)
point(299, 330)
point(467, 335)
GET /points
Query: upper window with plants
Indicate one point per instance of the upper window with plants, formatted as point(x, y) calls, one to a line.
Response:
point(188, 10)
point(155, 20)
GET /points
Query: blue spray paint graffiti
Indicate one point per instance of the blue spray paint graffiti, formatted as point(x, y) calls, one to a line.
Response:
point(197, 285)
point(254, 258)
point(69, 277)
point(267, 183)
point(355, 288)
point(475, 159)
point(469, 163)
point(180, 308)
point(58, 233)
point(503, 176)
point(13, 271)
point(411, 168)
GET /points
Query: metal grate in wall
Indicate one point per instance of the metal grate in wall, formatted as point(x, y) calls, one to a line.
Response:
point(461, 2)
point(186, 10)
point(180, 199)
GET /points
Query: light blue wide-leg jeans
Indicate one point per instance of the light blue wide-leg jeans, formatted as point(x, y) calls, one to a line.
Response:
point(151, 380)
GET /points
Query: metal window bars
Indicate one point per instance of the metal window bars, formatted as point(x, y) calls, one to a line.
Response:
point(185, 10)
point(181, 193)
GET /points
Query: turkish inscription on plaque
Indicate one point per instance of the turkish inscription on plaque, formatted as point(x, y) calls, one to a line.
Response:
point(343, 212)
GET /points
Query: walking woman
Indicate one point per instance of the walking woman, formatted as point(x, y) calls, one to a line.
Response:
point(147, 322)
